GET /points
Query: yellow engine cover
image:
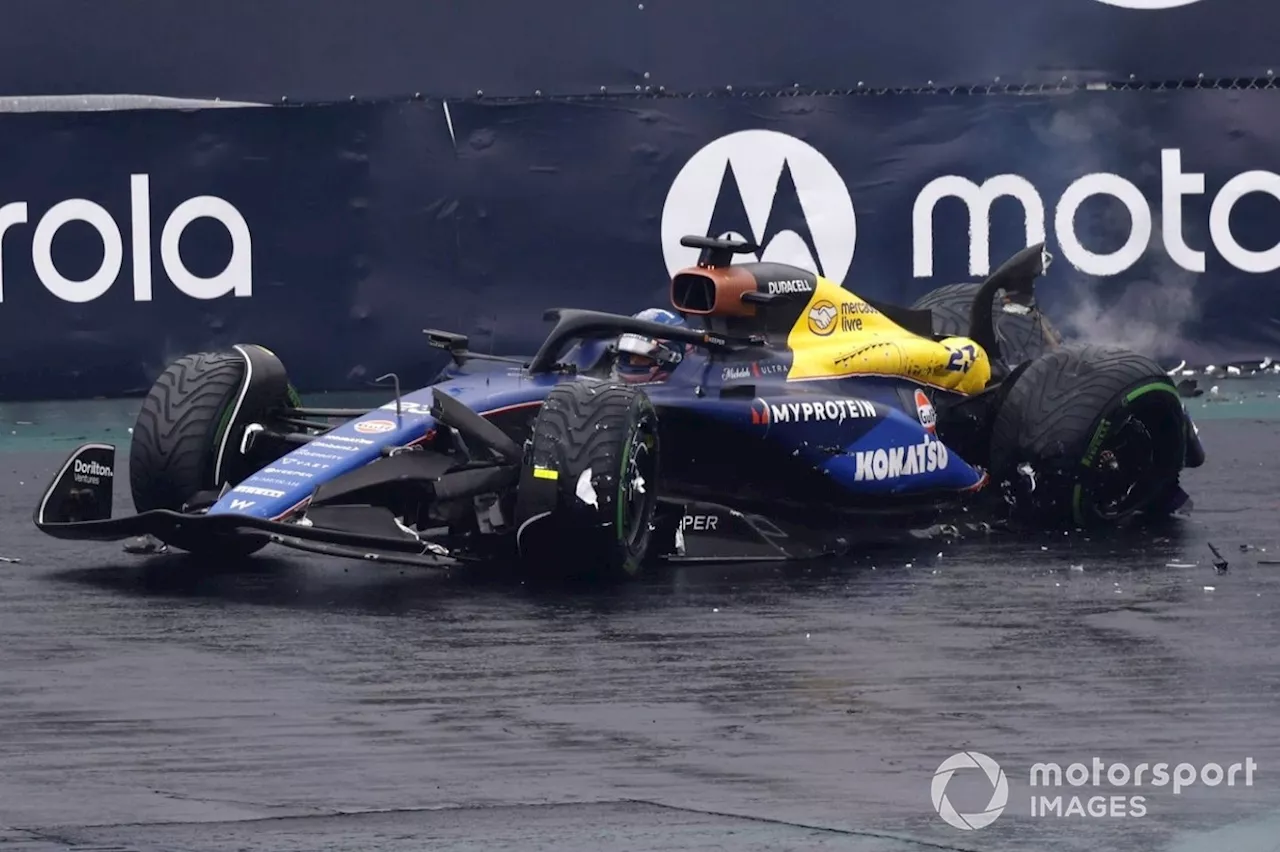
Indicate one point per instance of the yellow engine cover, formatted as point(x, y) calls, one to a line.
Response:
point(839, 335)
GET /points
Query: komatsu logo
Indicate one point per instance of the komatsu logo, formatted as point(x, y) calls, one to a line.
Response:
point(878, 465)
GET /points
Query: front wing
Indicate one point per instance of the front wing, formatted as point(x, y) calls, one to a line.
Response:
point(78, 506)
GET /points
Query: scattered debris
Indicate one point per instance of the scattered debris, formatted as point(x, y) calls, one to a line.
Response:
point(1210, 588)
point(1182, 364)
point(145, 545)
point(1077, 567)
point(1189, 388)
point(1219, 564)
point(585, 491)
point(936, 531)
point(1269, 561)
point(1180, 564)
point(1233, 371)
point(10, 560)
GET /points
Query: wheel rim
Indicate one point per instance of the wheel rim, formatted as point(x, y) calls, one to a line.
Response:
point(1122, 477)
point(637, 491)
point(1134, 461)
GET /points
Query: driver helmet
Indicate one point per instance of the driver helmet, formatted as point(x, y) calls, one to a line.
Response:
point(648, 359)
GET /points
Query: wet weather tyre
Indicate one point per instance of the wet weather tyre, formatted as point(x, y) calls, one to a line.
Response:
point(1088, 436)
point(600, 443)
point(176, 437)
point(1022, 337)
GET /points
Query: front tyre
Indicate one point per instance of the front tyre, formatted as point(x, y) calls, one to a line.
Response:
point(1089, 436)
point(186, 438)
point(589, 493)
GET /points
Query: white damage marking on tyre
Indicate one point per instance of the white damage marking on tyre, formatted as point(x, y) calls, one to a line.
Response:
point(1026, 470)
point(637, 484)
point(585, 491)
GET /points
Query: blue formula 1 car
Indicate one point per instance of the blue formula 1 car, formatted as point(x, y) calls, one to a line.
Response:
point(772, 415)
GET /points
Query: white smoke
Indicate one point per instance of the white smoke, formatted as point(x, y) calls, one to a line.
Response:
point(1146, 314)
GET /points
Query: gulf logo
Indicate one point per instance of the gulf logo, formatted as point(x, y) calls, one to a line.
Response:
point(375, 427)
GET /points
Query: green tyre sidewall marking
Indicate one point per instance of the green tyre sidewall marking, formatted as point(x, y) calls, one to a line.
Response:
point(1143, 390)
point(224, 423)
point(630, 565)
point(1077, 492)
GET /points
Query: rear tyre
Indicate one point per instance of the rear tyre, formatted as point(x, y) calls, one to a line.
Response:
point(594, 448)
point(1022, 337)
point(1089, 436)
point(186, 438)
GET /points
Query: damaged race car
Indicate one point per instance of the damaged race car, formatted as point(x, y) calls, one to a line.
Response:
point(772, 415)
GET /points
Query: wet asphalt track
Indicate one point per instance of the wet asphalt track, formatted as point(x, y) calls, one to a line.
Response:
point(302, 703)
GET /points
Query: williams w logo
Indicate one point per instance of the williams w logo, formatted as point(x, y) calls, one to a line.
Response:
point(770, 189)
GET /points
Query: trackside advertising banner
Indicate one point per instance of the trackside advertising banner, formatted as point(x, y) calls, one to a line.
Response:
point(1162, 209)
point(329, 50)
point(130, 238)
point(333, 235)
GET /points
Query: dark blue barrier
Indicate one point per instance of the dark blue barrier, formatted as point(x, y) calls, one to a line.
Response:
point(366, 224)
point(315, 226)
point(328, 50)
point(588, 202)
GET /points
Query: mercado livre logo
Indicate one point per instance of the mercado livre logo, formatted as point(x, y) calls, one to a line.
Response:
point(771, 189)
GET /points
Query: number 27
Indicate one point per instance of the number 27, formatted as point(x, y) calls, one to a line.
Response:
point(962, 359)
